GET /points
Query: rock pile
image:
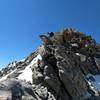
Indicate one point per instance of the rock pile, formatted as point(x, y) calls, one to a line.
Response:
point(66, 70)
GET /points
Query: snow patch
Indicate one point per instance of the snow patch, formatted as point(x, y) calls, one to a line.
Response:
point(95, 82)
point(82, 57)
point(22, 60)
point(27, 72)
point(13, 64)
point(5, 77)
point(74, 45)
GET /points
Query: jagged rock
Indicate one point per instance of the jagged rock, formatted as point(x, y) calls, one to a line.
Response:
point(51, 78)
point(71, 79)
point(97, 61)
point(45, 39)
point(63, 68)
point(15, 89)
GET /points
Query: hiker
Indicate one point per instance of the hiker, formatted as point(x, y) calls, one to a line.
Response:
point(46, 40)
point(51, 34)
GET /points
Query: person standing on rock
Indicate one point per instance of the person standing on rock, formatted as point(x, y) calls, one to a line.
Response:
point(46, 40)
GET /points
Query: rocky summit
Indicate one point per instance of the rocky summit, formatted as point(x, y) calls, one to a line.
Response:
point(66, 66)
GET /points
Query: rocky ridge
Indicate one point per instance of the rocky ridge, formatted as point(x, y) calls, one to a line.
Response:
point(65, 67)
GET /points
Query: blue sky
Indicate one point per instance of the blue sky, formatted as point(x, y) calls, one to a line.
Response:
point(21, 21)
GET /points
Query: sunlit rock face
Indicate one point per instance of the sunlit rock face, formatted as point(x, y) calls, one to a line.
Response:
point(65, 67)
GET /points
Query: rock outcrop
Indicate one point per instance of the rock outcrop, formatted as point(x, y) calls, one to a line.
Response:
point(65, 67)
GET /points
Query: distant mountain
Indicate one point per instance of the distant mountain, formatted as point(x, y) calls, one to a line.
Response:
point(65, 67)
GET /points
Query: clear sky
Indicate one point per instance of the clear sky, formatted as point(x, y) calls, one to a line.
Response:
point(21, 21)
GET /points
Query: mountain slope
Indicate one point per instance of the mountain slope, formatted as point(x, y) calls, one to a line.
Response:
point(65, 67)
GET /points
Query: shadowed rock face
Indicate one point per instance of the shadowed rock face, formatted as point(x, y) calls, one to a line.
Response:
point(67, 70)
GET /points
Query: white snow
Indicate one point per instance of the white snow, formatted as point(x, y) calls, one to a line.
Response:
point(27, 72)
point(82, 57)
point(74, 45)
point(94, 84)
point(22, 60)
point(13, 64)
point(5, 77)
point(78, 54)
